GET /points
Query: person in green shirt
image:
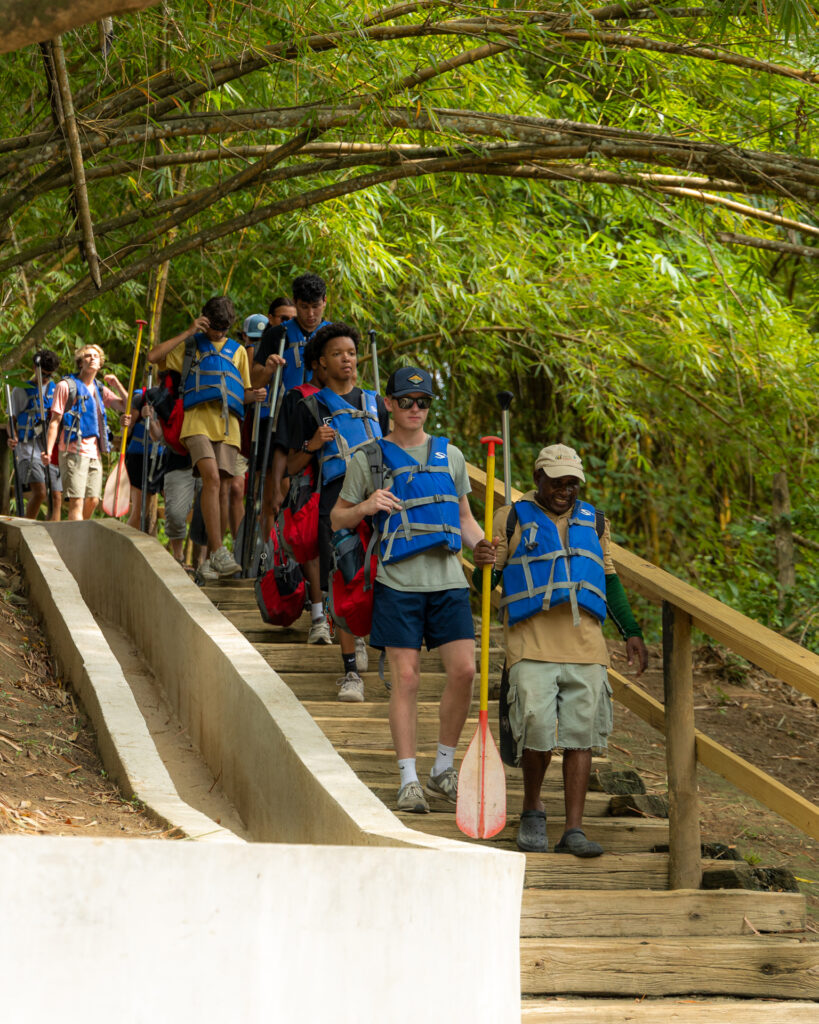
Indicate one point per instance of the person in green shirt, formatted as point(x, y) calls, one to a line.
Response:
point(421, 595)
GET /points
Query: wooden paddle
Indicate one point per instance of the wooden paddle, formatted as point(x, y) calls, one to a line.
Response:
point(116, 499)
point(481, 808)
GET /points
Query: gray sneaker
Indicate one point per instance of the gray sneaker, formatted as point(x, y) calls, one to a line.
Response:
point(444, 785)
point(362, 658)
point(320, 632)
point(351, 688)
point(531, 836)
point(206, 573)
point(411, 798)
point(223, 563)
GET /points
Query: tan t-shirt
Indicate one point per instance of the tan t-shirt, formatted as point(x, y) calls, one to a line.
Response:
point(551, 634)
point(207, 418)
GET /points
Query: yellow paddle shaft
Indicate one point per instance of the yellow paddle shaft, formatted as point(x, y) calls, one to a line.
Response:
point(131, 383)
point(486, 593)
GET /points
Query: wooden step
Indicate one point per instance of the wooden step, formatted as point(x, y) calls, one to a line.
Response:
point(610, 872)
point(756, 965)
point(565, 914)
point(615, 835)
point(382, 763)
point(597, 804)
point(295, 656)
point(665, 1011)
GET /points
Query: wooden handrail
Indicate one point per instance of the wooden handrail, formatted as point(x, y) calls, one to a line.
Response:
point(685, 606)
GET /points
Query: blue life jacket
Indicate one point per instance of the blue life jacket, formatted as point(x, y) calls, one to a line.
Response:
point(81, 416)
point(353, 427)
point(214, 378)
point(541, 574)
point(28, 421)
point(295, 372)
point(430, 515)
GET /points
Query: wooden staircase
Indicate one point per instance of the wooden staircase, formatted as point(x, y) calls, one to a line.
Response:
point(602, 940)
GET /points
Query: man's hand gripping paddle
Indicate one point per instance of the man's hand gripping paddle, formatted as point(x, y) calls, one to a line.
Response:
point(481, 808)
point(117, 497)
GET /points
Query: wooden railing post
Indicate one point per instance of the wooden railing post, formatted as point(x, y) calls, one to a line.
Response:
point(685, 867)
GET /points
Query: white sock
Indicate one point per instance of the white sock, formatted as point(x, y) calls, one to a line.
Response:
point(317, 611)
point(406, 769)
point(444, 759)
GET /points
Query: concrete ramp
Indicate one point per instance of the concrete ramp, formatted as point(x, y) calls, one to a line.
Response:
point(334, 911)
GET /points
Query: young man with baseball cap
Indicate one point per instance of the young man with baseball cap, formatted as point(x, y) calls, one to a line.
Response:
point(423, 519)
point(559, 584)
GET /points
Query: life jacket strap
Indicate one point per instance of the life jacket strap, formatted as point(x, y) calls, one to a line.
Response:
point(405, 531)
point(587, 554)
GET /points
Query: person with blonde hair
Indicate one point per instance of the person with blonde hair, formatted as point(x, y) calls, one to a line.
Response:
point(78, 416)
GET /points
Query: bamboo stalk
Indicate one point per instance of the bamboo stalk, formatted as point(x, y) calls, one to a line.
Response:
point(72, 138)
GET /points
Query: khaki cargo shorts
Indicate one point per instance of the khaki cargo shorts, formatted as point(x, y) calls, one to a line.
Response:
point(201, 447)
point(81, 475)
point(553, 705)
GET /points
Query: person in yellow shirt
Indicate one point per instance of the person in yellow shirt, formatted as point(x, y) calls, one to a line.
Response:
point(214, 392)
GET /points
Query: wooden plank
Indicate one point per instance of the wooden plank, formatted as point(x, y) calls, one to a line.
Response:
point(288, 656)
point(760, 645)
point(607, 873)
point(758, 966)
point(386, 787)
point(681, 755)
point(682, 912)
point(667, 1011)
point(741, 773)
point(615, 835)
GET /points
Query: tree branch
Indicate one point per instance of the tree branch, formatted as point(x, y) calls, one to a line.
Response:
point(767, 243)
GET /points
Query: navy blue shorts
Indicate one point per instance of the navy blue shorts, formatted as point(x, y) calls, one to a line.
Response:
point(410, 618)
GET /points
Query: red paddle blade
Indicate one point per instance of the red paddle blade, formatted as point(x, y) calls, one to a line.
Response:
point(117, 497)
point(481, 808)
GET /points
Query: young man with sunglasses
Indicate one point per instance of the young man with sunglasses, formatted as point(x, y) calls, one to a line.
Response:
point(423, 518)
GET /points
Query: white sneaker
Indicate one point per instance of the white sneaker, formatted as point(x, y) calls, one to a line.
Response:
point(320, 632)
point(362, 658)
point(351, 688)
point(206, 573)
point(223, 563)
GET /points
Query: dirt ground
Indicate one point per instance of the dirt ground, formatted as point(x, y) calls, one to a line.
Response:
point(52, 781)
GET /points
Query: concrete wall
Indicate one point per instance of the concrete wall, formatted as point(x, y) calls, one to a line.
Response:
point(422, 926)
point(138, 931)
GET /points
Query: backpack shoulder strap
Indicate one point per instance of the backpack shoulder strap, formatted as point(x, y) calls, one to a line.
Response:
point(599, 522)
point(375, 461)
point(72, 393)
point(187, 362)
point(312, 404)
point(511, 522)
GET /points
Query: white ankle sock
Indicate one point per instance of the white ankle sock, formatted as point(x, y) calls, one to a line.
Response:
point(444, 759)
point(317, 611)
point(406, 769)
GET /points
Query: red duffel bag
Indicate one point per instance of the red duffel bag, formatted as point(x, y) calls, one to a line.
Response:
point(279, 585)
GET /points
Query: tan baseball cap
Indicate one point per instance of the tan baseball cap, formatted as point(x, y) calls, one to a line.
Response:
point(558, 460)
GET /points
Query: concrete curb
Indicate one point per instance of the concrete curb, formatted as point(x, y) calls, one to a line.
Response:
point(126, 746)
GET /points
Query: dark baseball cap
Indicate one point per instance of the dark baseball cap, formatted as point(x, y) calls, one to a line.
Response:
point(408, 380)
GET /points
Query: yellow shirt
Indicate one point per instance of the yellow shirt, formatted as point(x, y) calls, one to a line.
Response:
point(207, 418)
point(551, 635)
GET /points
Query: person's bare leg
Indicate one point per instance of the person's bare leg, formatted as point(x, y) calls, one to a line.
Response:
point(458, 657)
point(178, 548)
point(136, 508)
point(576, 773)
point(533, 764)
point(313, 576)
point(210, 502)
point(57, 505)
point(405, 674)
point(236, 508)
point(88, 507)
point(75, 509)
point(38, 496)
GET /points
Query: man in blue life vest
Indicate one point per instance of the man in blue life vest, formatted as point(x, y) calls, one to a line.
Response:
point(79, 404)
point(558, 585)
point(214, 392)
point(25, 407)
point(423, 519)
point(331, 426)
point(310, 301)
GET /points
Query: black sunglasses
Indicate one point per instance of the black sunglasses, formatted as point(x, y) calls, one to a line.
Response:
point(407, 402)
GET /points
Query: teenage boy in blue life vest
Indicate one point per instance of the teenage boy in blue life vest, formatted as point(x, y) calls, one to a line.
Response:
point(331, 426)
point(558, 585)
point(214, 392)
point(310, 301)
point(423, 518)
point(31, 431)
point(79, 404)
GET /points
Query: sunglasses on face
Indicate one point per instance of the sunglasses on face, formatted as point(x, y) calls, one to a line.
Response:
point(407, 402)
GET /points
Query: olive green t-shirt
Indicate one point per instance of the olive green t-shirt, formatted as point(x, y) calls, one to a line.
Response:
point(436, 568)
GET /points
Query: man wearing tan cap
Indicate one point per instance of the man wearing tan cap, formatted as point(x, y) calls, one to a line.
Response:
point(559, 584)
